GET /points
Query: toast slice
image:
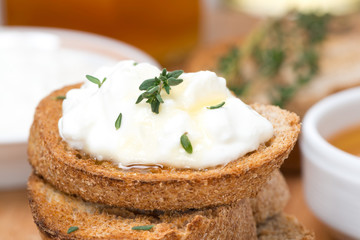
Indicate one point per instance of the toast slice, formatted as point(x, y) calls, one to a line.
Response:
point(47, 203)
point(54, 212)
point(73, 172)
point(283, 227)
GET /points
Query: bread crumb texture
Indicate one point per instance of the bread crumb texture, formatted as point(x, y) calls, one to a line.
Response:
point(54, 212)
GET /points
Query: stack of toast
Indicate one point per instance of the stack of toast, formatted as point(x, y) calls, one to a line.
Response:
point(73, 196)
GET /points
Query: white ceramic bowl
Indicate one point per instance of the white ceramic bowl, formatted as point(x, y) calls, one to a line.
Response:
point(90, 51)
point(332, 176)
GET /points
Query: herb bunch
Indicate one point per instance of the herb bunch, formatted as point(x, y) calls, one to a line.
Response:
point(290, 42)
point(153, 87)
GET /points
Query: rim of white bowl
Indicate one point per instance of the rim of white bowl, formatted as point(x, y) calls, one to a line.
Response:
point(103, 46)
point(116, 46)
point(312, 137)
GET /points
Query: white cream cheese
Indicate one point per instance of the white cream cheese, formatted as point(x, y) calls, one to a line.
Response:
point(218, 136)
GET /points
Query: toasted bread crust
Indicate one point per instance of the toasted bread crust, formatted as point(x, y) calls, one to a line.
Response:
point(264, 207)
point(271, 199)
point(169, 189)
point(283, 227)
point(54, 212)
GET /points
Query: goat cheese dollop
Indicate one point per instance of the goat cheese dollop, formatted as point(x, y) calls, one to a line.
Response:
point(218, 136)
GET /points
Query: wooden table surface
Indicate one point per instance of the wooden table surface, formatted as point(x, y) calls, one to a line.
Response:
point(16, 220)
point(298, 207)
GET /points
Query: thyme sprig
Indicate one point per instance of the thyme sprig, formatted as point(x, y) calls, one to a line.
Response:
point(153, 87)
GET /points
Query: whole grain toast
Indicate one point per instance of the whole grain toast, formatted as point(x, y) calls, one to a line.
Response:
point(43, 196)
point(54, 212)
point(283, 227)
point(73, 172)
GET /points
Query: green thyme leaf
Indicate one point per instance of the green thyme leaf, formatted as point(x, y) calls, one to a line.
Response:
point(72, 229)
point(60, 97)
point(118, 121)
point(217, 106)
point(155, 105)
point(135, 63)
point(144, 228)
point(173, 81)
point(95, 80)
point(159, 98)
point(175, 74)
point(153, 89)
point(140, 98)
point(185, 143)
point(164, 72)
point(147, 84)
point(153, 86)
point(147, 95)
point(167, 89)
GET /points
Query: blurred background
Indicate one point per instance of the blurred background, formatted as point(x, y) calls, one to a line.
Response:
point(288, 53)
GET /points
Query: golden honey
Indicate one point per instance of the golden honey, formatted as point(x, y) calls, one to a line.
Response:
point(347, 140)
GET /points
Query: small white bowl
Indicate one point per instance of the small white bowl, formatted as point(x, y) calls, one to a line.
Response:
point(89, 52)
point(332, 176)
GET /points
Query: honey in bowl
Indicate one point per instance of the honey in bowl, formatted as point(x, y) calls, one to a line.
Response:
point(347, 140)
